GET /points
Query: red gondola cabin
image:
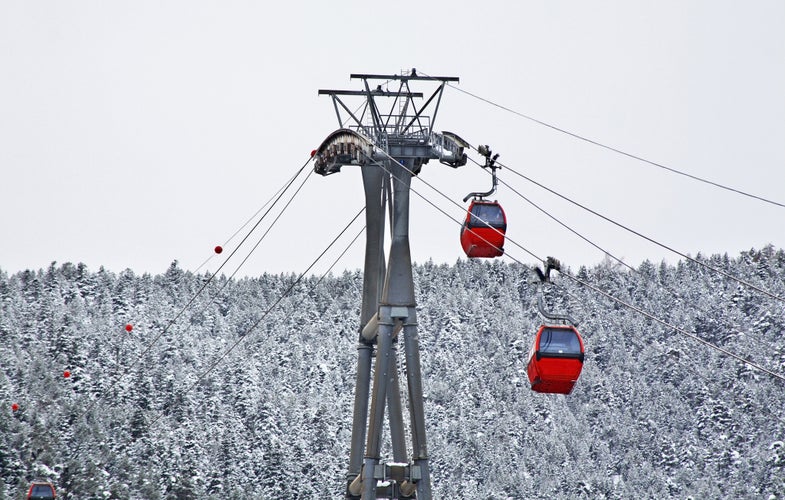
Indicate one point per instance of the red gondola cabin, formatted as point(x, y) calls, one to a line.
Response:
point(40, 490)
point(482, 234)
point(556, 359)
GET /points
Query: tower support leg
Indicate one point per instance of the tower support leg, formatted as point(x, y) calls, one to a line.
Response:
point(374, 179)
point(416, 406)
point(395, 413)
point(381, 380)
point(361, 390)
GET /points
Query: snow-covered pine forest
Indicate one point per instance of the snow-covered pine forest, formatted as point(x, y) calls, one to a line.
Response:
point(654, 415)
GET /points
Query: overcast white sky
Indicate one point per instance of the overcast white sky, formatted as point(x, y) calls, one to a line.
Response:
point(133, 133)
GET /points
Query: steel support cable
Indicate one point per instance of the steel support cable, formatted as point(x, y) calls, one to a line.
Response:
point(587, 240)
point(253, 249)
point(679, 330)
point(606, 294)
point(649, 239)
point(424, 198)
point(649, 315)
point(577, 136)
point(212, 276)
point(565, 226)
point(226, 242)
point(269, 228)
point(351, 243)
point(675, 328)
point(200, 290)
point(250, 329)
point(485, 240)
point(616, 150)
point(337, 259)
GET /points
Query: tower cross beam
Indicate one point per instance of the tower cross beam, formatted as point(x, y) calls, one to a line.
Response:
point(414, 77)
point(380, 93)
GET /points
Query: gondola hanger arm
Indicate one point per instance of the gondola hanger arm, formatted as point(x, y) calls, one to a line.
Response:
point(490, 163)
point(544, 277)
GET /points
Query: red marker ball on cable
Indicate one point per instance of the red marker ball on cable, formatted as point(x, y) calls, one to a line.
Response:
point(219, 249)
point(129, 327)
point(66, 374)
point(14, 407)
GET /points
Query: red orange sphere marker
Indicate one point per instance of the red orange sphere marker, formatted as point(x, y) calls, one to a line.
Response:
point(14, 407)
point(313, 153)
point(66, 374)
point(129, 327)
point(219, 249)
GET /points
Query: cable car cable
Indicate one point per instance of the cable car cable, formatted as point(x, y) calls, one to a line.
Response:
point(253, 249)
point(671, 290)
point(250, 329)
point(282, 297)
point(649, 239)
point(606, 252)
point(335, 262)
point(573, 231)
point(261, 238)
point(212, 276)
point(619, 151)
point(619, 301)
point(338, 259)
point(228, 240)
point(278, 301)
point(424, 198)
point(675, 328)
point(199, 291)
point(641, 311)
point(285, 293)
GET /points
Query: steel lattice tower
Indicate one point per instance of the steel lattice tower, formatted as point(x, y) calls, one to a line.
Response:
point(389, 149)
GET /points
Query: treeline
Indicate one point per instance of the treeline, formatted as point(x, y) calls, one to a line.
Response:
point(231, 397)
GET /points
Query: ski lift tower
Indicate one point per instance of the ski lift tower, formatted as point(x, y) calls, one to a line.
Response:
point(389, 148)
